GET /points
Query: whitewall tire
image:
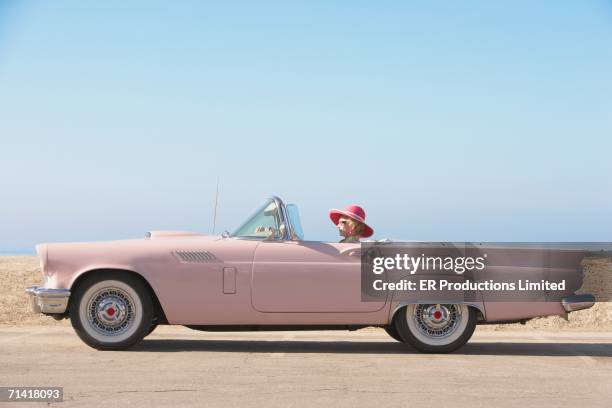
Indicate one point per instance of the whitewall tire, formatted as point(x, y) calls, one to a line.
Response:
point(111, 310)
point(436, 328)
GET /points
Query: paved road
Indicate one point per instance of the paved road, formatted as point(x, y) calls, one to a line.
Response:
point(178, 366)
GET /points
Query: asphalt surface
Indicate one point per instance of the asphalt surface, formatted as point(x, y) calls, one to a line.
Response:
point(182, 367)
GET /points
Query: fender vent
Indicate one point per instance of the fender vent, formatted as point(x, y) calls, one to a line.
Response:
point(195, 256)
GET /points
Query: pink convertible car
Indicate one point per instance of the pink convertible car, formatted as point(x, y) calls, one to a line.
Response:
point(263, 276)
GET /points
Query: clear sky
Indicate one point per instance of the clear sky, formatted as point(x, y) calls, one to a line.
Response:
point(465, 121)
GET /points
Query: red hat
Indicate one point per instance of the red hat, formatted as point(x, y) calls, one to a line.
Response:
point(356, 213)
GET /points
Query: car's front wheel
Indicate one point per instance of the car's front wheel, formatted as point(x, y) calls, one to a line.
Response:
point(436, 328)
point(111, 311)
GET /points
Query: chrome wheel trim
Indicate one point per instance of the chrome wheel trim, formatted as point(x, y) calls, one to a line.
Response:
point(110, 311)
point(437, 324)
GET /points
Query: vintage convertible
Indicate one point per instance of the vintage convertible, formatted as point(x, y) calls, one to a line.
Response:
point(263, 276)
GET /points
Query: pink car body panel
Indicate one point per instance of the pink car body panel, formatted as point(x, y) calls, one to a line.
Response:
point(315, 277)
point(193, 292)
point(209, 280)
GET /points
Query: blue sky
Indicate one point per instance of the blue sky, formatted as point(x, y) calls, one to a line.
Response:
point(465, 121)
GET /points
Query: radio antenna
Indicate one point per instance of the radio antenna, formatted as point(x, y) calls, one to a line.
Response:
point(215, 211)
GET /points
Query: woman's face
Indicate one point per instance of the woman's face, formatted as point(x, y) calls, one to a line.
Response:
point(346, 226)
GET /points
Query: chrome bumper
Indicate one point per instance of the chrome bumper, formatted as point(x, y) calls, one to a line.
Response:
point(577, 302)
point(46, 300)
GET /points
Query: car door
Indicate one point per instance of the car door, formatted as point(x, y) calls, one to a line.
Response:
point(309, 277)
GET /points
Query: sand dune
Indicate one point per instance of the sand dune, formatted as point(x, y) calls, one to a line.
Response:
point(17, 273)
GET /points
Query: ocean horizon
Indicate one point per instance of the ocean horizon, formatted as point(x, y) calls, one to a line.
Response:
point(23, 251)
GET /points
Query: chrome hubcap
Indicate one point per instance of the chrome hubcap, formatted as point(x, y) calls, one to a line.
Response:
point(437, 321)
point(111, 311)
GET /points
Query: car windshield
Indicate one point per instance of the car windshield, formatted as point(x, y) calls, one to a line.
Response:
point(262, 223)
point(294, 219)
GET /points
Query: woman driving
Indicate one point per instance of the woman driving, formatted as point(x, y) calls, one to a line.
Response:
point(351, 223)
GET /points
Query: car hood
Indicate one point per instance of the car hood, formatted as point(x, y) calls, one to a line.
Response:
point(72, 254)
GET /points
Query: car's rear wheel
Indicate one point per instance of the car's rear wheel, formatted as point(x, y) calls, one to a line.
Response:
point(111, 311)
point(436, 328)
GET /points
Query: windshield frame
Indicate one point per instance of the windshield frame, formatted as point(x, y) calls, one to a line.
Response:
point(287, 234)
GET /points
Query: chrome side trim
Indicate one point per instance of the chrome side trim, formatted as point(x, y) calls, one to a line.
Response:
point(577, 302)
point(48, 300)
